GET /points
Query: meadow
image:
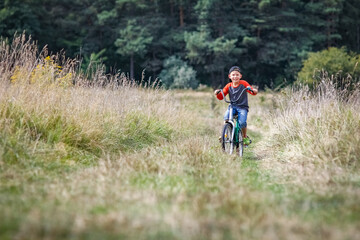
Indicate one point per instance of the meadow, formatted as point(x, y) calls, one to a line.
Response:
point(114, 159)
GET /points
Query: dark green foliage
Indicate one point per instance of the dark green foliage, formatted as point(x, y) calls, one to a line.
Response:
point(350, 25)
point(268, 39)
point(133, 40)
point(17, 16)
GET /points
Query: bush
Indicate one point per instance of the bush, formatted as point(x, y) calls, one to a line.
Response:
point(178, 74)
point(335, 61)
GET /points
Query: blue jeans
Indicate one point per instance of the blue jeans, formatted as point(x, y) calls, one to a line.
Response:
point(242, 115)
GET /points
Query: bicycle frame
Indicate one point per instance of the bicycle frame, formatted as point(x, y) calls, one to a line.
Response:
point(231, 121)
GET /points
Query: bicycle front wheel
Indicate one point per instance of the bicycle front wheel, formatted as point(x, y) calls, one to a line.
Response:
point(240, 144)
point(227, 142)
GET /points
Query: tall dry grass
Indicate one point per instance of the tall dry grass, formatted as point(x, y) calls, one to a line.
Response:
point(48, 106)
point(323, 123)
point(315, 135)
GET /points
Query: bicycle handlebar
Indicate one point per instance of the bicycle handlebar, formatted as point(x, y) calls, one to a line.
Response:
point(231, 102)
point(224, 97)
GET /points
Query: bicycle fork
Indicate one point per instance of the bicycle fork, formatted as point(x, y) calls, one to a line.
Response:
point(231, 121)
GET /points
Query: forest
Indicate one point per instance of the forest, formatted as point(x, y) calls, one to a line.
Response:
point(268, 39)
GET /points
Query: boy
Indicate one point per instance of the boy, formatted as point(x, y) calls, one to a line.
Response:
point(241, 107)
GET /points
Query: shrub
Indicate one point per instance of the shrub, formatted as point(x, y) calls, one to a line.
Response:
point(335, 61)
point(178, 74)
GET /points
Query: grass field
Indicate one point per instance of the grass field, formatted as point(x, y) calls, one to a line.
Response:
point(142, 163)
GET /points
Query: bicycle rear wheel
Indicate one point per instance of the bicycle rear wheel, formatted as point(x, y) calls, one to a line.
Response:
point(226, 141)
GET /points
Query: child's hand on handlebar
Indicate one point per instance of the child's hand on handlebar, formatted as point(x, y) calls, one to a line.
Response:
point(254, 90)
point(217, 91)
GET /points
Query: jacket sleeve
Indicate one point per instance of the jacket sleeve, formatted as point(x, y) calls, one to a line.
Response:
point(246, 84)
point(225, 90)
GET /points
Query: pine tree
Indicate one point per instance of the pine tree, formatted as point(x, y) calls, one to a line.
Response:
point(132, 41)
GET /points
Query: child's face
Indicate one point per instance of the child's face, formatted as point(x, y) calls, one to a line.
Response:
point(235, 76)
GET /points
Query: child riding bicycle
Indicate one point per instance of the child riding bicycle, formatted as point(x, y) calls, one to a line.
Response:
point(241, 106)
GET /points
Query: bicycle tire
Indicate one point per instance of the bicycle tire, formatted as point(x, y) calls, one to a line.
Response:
point(240, 144)
point(226, 141)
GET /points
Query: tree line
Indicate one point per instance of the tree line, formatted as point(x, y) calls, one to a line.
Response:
point(268, 39)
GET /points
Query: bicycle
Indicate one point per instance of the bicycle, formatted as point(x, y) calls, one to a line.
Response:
point(232, 135)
